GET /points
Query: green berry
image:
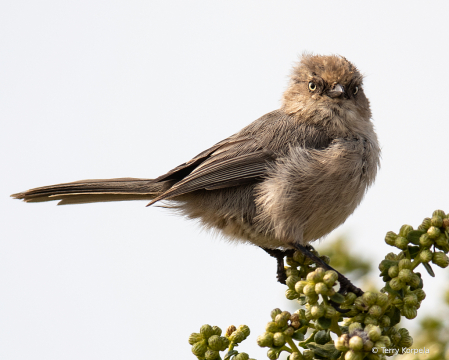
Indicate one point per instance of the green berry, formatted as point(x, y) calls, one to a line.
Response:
point(405, 229)
point(353, 355)
point(237, 337)
point(393, 271)
point(439, 213)
point(369, 297)
point(420, 294)
point(299, 286)
point(244, 329)
point(272, 327)
point(349, 298)
point(436, 221)
point(396, 284)
point(317, 311)
point(330, 277)
point(384, 321)
point(291, 294)
point(342, 342)
point(275, 312)
point(354, 326)
point(409, 312)
point(370, 320)
point(375, 311)
point(321, 288)
point(411, 300)
point(442, 243)
point(374, 333)
point(215, 342)
point(309, 289)
point(272, 354)
point(381, 299)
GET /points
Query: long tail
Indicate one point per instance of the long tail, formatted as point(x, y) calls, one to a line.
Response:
point(88, 191)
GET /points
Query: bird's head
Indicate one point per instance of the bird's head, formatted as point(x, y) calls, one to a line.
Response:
point(327, 91)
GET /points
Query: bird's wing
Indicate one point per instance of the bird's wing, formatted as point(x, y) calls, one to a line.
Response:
point(232, 162)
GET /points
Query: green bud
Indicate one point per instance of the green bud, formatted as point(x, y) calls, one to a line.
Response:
point(433, 232)
point(391, 256)
point(401, 243)
point(406, 341)
point(386, 340)
point(330, 277)
point(290, 262)
point(403, 332)
point(281, 320)
point(308, 355)
point(384, 321)
point(360, 318)
point(439, 213)
point(398, 303)
point(244, 329)
point(215, 342)
point(291, 294)
point(425, 256)
point(368, 345)
point(415, 281)
point(354, 326)
point(440, 259)
point(369, 297)
point(279, 339)
point(381, 299)
point(299, 257)
point(272, 354)
point(194, 338)
point(396, 284)
point(390, 238)
point(405, 229)
point(272, 327)
point(360, 304)
point(350, 298)
point(436, 221)
point(314, 276)
point(330, 312)
point(395, 338)
point(442, 243)
point(206, 331)
point(216, 330)
point(405, 264)
point(352, 355)
point(317, 311)
point(296, 356)
point(265, 340)
point(393, 271)
point(420, 294)
point(211, 354)
point(291, 281)
point(309, 289)
point(342, 342)
point(374, 333)
point(199, 348)
point(237, 337)
point(230, 330)
point(289, 331)
point(241, 356)
point(275, 312)
point(426, 223)
point(409, 312)
point(321, 288)
point(411, 300)
point(370, 320)
point(299, 286)
point(375, 311)
point(331, 292)
point(380, 345)
point(291, 272)
point(425, 241)
point(320, 273)
point(224, 343)
point(405, 275)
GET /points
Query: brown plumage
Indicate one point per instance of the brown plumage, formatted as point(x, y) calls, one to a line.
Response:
point(288, 178)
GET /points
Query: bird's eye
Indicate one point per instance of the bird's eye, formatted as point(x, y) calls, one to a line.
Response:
point(312, 86)
point(356, 90)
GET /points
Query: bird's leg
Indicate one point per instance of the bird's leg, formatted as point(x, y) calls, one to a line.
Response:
point(345, 285)
point(279, 255)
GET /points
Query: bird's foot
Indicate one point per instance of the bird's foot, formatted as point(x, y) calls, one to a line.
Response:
point(279, 255)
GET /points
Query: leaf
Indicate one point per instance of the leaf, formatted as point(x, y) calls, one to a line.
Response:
point(327, 351)
point(413, 250)
point(229, 354)
point(429, 269)
point(324, 323)
point(298, 335)
point(395, 315)
point(338, 298)
point(414, 235)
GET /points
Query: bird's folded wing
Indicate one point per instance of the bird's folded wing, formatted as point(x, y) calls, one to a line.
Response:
point(222, 169)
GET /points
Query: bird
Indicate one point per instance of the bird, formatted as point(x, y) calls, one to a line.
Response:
point(283, 181)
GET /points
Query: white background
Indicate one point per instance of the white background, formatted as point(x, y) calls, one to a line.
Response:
point(103, 89)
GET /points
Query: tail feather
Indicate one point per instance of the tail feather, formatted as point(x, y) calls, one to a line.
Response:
point(88, 191)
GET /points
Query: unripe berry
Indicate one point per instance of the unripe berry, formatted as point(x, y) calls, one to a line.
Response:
point(289, 331)
point(426, 223)
point(309, 290)
point(317, 311)
point(381, 299)
point(272, 327)
point(215, 342)
point(384, 321)
point(415, 281)
point(370, 320)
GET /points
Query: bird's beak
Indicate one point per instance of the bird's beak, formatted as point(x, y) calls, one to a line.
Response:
point(336, 92)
